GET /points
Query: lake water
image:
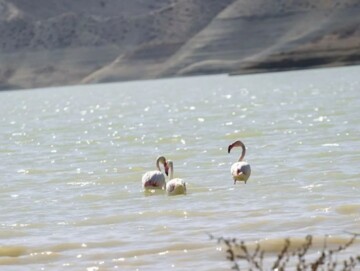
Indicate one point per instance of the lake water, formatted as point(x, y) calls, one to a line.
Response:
point(72, 160)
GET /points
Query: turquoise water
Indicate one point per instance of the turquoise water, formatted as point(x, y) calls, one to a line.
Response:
point(72, 160)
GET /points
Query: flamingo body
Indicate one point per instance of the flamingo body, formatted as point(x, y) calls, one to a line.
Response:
point(176, 187)
point(153, 180)
point(240, 171)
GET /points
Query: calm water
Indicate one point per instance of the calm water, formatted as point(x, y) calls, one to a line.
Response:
point(72, 160)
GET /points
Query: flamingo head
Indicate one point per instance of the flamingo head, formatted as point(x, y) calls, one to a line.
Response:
point(166, 166)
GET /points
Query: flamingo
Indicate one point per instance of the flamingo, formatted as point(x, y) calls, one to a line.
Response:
point(240, 170)
point(175, 186)
point(156, 179)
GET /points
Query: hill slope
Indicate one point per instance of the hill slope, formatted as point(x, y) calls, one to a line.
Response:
point(61, 42)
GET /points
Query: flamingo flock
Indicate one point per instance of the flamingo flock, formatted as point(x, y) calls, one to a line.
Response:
point(156, 179)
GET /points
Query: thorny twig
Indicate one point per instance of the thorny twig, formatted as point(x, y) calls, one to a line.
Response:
point(238, 251)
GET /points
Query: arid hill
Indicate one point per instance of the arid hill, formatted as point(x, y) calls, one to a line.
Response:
point(62, 42)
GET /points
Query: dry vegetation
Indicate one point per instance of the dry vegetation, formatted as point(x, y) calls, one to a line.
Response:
point(245, 257)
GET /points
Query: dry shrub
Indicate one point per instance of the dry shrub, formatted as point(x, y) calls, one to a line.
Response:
point(246, 257)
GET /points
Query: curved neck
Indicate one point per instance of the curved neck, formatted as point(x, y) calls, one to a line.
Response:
point(238, 144)
point(242, 152)
point(160, 159)
point(171, 166)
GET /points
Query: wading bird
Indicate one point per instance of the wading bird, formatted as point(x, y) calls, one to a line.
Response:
point(240, 170)
point(175, 186)
point(156, 179)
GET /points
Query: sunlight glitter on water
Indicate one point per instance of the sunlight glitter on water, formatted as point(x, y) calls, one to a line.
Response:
point(72, 161)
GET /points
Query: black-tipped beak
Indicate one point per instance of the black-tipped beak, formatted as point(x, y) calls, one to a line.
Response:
point(167, 170)
point(229, 148)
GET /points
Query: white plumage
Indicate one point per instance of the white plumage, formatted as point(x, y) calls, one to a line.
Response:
point(155, 179)
point(240, 170)
point(175, 186)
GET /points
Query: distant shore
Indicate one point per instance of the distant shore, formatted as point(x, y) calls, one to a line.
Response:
point(114, 41)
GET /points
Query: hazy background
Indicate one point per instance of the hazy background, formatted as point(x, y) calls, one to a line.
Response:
point(60, 42)
point(73, 156)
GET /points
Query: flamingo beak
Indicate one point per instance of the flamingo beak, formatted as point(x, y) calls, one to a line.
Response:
point(229, 148)
point(166, 169)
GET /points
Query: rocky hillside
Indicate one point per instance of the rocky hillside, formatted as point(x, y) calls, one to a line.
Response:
point(61, 42)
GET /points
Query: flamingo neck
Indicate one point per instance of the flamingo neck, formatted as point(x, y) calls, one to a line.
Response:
point(238, 144)
point(171, 166)
point(242, 152)
point(160, 159)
